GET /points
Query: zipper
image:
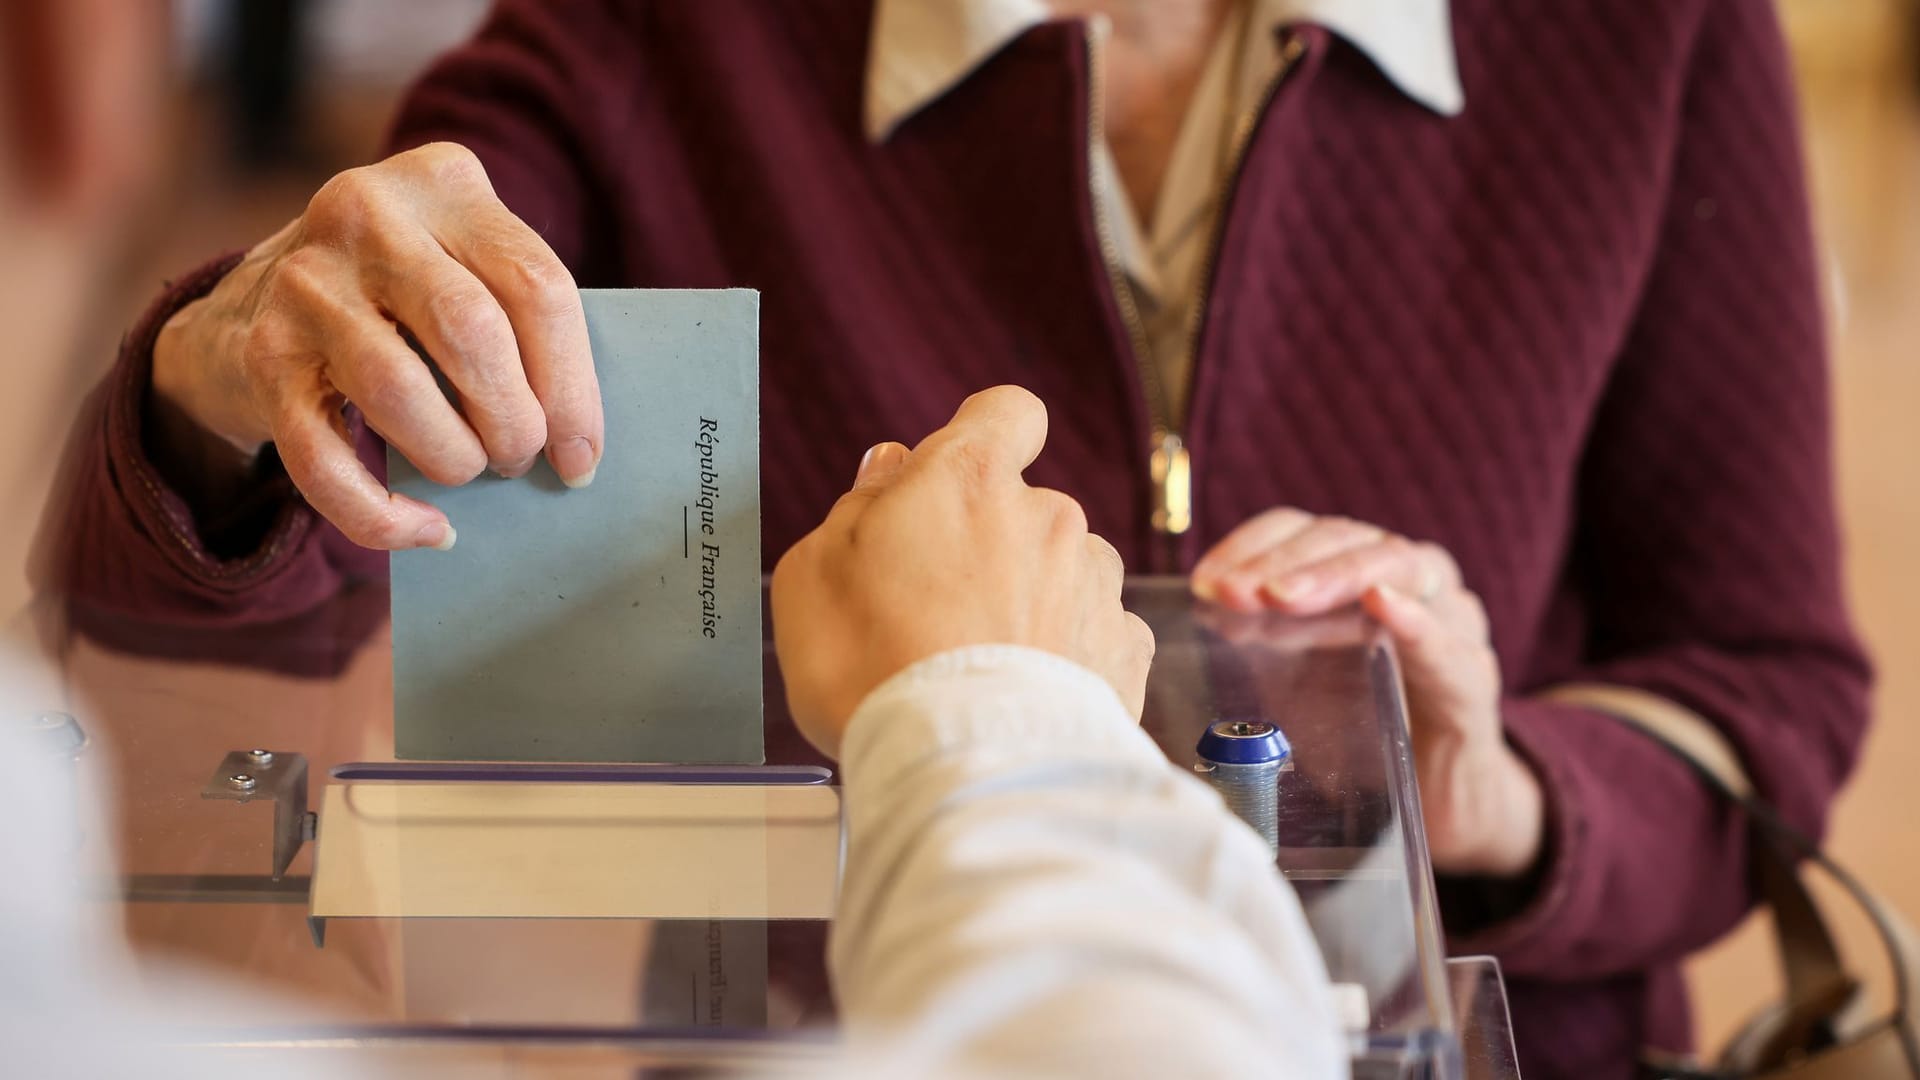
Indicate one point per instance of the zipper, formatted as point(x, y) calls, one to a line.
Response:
point(1169, 466)
point(1167, 461)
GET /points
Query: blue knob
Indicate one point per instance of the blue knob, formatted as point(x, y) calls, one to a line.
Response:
point(1243, 742)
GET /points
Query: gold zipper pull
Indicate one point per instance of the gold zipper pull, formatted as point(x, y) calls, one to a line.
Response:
point(1172, 485)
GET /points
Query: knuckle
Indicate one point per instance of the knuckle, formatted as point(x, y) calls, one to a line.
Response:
point(541, 283)
point(1326, 530)
point(1106, 557)
point(517, 439)
point(1105, 549)
point(468, 321)
point(447, 163)
point(1471, 603)
point(379, 389)
point(571, 410)
point(299, 282)
point(1143, 634)
point(452, 466)
point(301, 269)
point(1067, 519)
point(345, 203)
point(1477, 612)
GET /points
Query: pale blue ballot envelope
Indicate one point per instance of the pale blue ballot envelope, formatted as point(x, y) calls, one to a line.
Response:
point(621, 621)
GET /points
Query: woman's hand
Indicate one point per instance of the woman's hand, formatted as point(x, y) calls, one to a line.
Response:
point(311, 319)
point(1482, 803)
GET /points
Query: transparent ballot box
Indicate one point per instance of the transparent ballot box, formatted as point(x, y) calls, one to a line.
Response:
point(586, 920)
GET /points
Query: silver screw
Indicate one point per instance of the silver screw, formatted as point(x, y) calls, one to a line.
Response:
point(260, 757)
point(241, 781)
point(1252, 792)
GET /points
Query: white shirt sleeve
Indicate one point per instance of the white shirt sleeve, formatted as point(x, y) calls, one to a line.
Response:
point(1032, 888)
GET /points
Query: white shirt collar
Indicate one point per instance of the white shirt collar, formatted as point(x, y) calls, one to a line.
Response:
point(923, 48)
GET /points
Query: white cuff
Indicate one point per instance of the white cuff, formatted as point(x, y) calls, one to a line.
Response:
point(999, 697)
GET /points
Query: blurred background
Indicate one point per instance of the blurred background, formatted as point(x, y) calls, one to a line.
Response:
point(265, 99)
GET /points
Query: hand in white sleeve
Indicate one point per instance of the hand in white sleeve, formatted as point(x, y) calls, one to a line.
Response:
point(1031, 887)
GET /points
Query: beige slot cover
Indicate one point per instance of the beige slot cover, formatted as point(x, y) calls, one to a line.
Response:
point(579, 851)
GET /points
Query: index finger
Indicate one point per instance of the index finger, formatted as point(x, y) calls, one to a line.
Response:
point(878, 470)
point(320, 460)
point(1249, 539)
point(542, 304)
point(996, 431)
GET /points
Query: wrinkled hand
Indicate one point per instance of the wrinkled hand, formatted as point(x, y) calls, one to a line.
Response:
point(1483, 806)
point(946, 546)
point(311, 320)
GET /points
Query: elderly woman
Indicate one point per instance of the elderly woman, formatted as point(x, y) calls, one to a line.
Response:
point(1504, 327)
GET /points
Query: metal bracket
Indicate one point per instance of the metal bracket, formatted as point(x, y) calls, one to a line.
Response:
point(246, 775)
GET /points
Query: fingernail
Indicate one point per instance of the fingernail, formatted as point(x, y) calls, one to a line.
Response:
point(878, 458)
point(1391, 595)
point(1292, 589)
point(439, 536)
point(573, 460)
point(1205, 589)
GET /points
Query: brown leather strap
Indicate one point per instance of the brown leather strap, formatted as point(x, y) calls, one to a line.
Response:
point(1817, 982)
point(1820, 993)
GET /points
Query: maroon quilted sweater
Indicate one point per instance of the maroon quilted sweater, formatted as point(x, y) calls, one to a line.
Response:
point(1572, 335)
